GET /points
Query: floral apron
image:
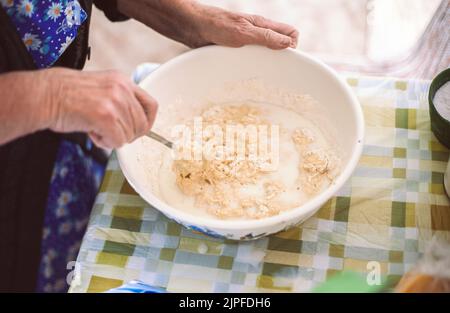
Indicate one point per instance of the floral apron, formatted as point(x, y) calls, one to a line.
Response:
point(47, 28)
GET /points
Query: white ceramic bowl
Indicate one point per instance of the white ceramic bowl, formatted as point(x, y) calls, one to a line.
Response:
point(190, 74)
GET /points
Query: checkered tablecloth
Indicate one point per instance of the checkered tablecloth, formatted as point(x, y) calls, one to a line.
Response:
point(387, 212)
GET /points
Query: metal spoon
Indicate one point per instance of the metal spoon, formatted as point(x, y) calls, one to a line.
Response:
point(160, 139)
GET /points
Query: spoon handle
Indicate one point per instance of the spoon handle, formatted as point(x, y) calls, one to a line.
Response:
point(160, 138)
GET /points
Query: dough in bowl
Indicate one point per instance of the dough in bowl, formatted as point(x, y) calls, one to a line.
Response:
point(248, 159)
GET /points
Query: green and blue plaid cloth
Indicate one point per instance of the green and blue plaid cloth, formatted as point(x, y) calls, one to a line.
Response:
point(386, 213)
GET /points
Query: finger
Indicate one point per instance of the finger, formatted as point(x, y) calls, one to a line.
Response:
point(126, 122)
point(267, 37)
point(111, 135)
point(123, 135)
point(139, 117)
point(278, 27)
point(119, 89)
point(122, 98)
point(149, 105)
point(98, 140)
point(107, 127)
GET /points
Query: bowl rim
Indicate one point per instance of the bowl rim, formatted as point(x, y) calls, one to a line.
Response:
point(307, 209)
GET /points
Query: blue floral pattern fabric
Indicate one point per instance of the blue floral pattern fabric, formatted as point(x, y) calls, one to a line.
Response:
point(74, 184)
point(47, 27)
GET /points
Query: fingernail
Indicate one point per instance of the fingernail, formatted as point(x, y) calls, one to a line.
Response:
point(286, 41)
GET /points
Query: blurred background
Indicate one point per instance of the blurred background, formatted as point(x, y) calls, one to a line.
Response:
point(401, 38)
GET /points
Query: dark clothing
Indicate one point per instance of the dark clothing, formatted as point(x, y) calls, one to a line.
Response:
point(26, 164)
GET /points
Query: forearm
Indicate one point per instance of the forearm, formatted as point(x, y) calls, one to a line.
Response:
point(25, 106)
point(176, 19)
point(197, 25)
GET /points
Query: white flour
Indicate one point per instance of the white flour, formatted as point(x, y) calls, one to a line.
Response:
point(441, 101)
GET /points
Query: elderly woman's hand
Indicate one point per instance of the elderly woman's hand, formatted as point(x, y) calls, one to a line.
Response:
point(217, 26)
point(106, 105)
point(196, 24)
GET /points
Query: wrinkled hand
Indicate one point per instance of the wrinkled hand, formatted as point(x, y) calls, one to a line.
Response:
point(196, 24)
point(216, 26)
point(106, 105)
